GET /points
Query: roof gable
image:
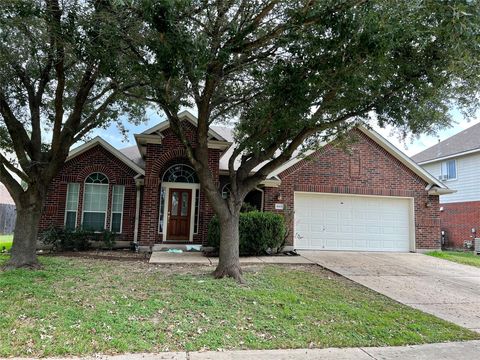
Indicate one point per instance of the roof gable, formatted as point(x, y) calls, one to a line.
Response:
point(385, 144)
point(99, 141)
point(183, 116)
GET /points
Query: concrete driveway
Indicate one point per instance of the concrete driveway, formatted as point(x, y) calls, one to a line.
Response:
point(443, 288)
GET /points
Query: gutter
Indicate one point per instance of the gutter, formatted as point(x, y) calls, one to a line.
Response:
point(435, 190)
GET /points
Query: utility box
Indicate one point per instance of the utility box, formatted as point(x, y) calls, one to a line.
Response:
point(476, 248)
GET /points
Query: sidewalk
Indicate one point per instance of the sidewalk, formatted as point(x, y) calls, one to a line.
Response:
point(469, 350)
point(163, 257)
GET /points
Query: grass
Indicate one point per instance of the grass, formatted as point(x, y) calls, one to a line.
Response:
point(78, 306)
point(467, 258)
point(5, 242)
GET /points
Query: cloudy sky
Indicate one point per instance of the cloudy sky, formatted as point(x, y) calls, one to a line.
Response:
point(409, 147)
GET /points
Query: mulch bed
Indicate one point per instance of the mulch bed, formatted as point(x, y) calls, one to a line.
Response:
point(121, 255)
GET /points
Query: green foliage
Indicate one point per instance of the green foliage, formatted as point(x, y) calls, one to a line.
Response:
point(461, 257)
point(260, 233)
point(323, 65)
point(5, 242)
point(78, 306)
point(61, 239)
point(247, 207)
point(108, 239)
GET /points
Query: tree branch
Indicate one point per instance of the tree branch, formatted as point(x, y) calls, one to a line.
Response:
point(12, 168)
point(18, 135)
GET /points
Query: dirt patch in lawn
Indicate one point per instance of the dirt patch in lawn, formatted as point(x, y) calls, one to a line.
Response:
point(118, 255)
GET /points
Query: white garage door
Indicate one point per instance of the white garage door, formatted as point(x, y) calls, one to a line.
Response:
point(359, 223)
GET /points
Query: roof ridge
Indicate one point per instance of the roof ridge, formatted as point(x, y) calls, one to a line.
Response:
point(465, 140)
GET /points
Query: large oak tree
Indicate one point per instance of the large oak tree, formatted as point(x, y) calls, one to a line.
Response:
point(62, 74)
point(295, 72)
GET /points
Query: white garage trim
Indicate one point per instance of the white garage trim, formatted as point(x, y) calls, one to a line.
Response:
point(411, 214)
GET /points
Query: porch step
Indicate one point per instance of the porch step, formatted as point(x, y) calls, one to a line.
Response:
point(183, 247)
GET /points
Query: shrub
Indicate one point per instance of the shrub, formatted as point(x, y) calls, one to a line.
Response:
point(260, 233)
point(108, 238)
point(67, 240)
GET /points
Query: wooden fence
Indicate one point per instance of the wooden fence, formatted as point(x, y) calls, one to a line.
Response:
point(8, 215)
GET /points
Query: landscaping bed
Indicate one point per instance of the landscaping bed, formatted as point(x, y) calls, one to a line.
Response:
point(78, 306)
point(461, 257)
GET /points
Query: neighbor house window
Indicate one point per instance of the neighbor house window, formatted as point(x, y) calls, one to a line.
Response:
point(118, 192)
point(71, 206)
point(95, 202)
point(449, 170)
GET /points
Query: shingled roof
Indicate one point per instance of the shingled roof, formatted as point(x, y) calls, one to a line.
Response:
point(465, 141)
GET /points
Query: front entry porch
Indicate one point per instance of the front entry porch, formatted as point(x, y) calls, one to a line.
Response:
point(179, 212)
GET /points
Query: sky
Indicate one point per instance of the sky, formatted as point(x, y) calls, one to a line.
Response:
point(409, 147)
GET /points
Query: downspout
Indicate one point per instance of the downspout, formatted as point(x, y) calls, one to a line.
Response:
point(139, 183)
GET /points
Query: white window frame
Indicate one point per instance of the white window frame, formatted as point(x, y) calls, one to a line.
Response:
point(197, 218)
point(84, 193)
point(66, 201)
point(445, 177)
point(116, 212)
point(226, 191)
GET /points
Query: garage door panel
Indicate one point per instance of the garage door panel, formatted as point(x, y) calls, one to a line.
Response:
point(338, 222)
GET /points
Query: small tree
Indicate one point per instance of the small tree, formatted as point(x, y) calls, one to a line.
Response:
point(62, 74)
point(294, 73)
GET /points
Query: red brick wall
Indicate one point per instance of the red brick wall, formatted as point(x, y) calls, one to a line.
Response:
point(158, 159)
point(458, 219)
point(366, 170)
point(77, 170)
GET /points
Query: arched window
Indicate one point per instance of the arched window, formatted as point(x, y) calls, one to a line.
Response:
point(180, 173)
point(95, 202)
point(96, 178)
point(226, 191)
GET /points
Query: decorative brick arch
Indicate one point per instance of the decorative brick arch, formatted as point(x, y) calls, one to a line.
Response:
point(82, 175)
point(167, 159)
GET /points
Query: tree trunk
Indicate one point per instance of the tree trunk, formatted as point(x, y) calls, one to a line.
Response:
point(229, 257)
point(24, 248)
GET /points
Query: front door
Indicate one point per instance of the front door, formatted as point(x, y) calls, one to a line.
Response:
point(178, 216)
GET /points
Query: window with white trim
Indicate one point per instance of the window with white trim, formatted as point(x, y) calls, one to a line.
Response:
point(197, 211)
point(71, 206)
point(95, 202)
point(226, 189)
point(449, 170)
point(118, 194)
point(162, 209)
point(180, 173)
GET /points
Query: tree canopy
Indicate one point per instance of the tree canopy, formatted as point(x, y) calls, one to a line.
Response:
point(63, 72)
point(293, 73)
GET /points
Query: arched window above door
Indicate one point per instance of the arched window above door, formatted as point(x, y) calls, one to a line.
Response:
point(180, 173)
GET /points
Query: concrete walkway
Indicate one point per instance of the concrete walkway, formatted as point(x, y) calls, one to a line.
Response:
point(163, 257)
point(469, 350)
point(443, 288)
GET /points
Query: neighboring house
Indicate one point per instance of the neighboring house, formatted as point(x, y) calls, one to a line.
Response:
point(5, 197)
point(372, 198)
point(456, 161)
point(8, 214)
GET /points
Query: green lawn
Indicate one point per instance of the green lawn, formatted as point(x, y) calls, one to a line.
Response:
point(5, 242)
point(467, 258)
point(80, 306)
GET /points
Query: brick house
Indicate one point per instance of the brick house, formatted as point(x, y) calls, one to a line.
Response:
point(456, 161)
point(370, 198)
